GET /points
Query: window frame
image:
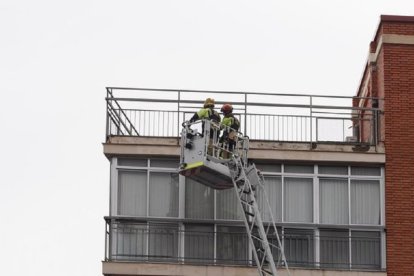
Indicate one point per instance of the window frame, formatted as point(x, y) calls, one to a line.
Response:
point(315, 225)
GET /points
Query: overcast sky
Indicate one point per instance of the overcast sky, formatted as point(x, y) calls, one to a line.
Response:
point(56, 57)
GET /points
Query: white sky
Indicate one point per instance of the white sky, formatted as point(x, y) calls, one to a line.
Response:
point(56, 57)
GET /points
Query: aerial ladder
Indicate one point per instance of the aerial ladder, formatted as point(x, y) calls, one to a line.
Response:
point(202, 160)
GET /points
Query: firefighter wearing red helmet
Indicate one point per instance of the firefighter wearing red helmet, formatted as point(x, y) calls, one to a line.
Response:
point(231, 126)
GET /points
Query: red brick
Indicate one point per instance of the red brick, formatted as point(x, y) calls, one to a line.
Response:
point(393, 80)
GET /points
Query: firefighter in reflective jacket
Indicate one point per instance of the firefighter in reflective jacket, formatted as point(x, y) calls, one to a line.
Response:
point(208, 112)
point(230, 125)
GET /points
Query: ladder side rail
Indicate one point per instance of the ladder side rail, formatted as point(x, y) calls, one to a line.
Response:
point(282, 251)
point(262, 232)
point(246, 224)
point(256, 219)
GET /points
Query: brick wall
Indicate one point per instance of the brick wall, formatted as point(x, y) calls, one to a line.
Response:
point(393, 78)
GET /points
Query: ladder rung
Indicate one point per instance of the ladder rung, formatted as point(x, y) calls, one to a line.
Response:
point(248, 213)
point(267, 271)
point(244, 180)
point(257, 238)
point(247, 202)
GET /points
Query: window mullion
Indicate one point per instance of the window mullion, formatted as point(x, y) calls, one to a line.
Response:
point(349, 196)
point(148, 180)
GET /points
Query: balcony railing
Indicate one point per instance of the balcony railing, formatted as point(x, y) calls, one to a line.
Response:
point(140, 241)
point(263, 116)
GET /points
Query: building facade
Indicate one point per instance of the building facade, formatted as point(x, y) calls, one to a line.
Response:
point(337, 175)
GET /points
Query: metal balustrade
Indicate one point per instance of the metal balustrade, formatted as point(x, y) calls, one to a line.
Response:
point(263, 116)
point(187, 242)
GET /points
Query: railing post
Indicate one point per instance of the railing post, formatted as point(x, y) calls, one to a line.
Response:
point(109, 234)
point(178, 113)
point(107, 130)
point(375, 111)
point(245, 114)
point(311, 122)
point(343, 130)
point(106, 241)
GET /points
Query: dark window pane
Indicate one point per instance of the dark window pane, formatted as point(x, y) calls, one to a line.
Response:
point(299, 168)
point(128, 241)
point(370, 171)
point(366, 249)
point(334, 248)
point(299, 247)
point(163, 242)
point(132, 162)
point(165, 163)
point(199, 243)
point(341, 170)
point(268, 167)
point(232, 245)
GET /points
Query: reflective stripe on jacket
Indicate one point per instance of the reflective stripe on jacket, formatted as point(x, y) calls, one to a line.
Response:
point(208, 113)
point(231, 121)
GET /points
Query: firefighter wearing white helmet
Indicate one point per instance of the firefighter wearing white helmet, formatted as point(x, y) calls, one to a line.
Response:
point(231, 126)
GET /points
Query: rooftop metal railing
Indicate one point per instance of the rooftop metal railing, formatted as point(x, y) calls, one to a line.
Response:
point(263, 116)
point(139, 241)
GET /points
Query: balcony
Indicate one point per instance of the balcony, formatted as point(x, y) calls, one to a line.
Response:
point(155, 241)
point(292, 118)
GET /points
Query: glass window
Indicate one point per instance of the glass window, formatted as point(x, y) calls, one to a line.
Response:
point(268, 167)
point(232, 245)
point(298, 199)
point(165, 163)
point(366, 249)
point(132, 162)
point(163, 194)
point(228, 206)
point(365, 202)
point(341, 170)
point(163, 241)
point(299, 247)
point(129, 241)
point(273, 188)
point(334, 248)
point(299, 168)
point(272, 238)
point(199, 243)
point(199, 200)
point(371, 171)
point(132, 193)
point(333, 200)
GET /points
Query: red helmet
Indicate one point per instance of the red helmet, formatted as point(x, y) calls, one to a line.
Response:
point(227, 108)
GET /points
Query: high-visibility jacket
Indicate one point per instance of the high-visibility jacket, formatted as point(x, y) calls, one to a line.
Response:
point(230, 121)
point(234, 124)
point(206, 113)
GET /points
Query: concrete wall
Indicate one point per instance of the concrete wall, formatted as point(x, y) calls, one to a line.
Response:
point(265, 150)
point(110, 268)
